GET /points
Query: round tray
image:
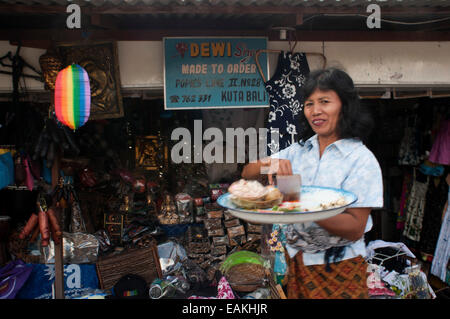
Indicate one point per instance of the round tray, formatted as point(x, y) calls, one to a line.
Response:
point(310, 197)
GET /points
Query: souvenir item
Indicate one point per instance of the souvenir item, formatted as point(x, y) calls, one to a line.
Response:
point(185, 209)
point(50, 65)
point(44, 222)
point(224, 291)
point(72, 96)
point(52, 138)
point(168, 213)
point(101, 62)
point(87, 177)
point(131, 286)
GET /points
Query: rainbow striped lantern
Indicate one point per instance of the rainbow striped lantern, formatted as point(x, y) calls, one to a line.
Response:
point(72, 96)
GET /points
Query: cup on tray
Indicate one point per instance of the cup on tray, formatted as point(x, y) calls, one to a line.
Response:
point(290, 186)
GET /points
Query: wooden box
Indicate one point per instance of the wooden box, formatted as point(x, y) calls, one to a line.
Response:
point(114, 224)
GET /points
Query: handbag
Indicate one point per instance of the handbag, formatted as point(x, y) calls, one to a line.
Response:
point(6, 170)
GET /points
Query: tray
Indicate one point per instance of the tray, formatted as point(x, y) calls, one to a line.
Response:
point(310, 197)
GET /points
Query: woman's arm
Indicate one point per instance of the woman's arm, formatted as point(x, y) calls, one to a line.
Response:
point(349, 225)
point(252, 170)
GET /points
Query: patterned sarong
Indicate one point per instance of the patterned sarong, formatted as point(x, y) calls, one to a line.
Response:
point(346, 280)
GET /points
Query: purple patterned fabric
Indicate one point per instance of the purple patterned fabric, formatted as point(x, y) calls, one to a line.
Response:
point(12, 277)
point(440, 152)
point(224, 291)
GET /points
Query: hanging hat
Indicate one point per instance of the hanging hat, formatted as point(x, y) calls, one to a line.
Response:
point(131, 286)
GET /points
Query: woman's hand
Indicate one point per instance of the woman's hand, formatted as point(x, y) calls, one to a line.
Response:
point(276, 166)
point(267, 166)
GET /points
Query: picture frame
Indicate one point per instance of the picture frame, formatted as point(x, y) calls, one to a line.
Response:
point(100, 60)
point(151, 153)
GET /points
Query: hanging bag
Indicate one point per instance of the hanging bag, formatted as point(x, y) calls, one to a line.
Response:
point(6, 170)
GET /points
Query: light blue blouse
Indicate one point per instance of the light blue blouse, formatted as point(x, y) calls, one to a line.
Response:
point(347, 164)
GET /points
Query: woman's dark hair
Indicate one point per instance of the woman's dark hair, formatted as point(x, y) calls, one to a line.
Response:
point(354, 121)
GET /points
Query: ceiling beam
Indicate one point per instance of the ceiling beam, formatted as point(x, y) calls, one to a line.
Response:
point(64, 35)
point(101, 21)
point(210, 9)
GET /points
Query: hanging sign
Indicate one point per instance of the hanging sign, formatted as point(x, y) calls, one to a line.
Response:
point(205, 73)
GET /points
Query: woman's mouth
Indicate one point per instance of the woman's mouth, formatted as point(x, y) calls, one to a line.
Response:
point(318, 122)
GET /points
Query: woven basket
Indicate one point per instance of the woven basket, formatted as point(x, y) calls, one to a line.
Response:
point(143, 262)
point(246, 277)
point(276, 291)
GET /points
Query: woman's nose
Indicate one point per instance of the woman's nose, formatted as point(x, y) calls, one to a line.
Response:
point(316, 109)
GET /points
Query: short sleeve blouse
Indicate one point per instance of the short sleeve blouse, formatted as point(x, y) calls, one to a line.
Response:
point(347, 164)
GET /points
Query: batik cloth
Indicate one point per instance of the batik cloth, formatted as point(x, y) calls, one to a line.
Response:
point(442, 251)
point(432, 219)
point(415, 209)
point(347, 279)
point(440, 152)
point(406, 189)
point(409, 147)
point(285, 99)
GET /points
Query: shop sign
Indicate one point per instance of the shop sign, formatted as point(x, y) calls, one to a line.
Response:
point(205, 73)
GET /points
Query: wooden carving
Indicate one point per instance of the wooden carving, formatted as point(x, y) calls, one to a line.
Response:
point(101, 63)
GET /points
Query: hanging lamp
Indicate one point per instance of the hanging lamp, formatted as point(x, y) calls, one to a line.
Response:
point(72, 96)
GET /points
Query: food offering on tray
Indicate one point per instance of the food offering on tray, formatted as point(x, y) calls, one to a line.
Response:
point(253, 195)
point(298, 206)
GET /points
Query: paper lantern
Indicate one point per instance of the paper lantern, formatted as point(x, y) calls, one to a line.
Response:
point(72, 96)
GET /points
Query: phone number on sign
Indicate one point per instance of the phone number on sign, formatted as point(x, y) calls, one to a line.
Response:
point(190, 98)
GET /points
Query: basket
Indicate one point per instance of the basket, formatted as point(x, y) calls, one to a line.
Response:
point(276, 291)
point(142, 261)
point(246, 277)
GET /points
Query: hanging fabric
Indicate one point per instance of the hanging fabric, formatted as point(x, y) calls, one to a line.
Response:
point(285, 99)
point(409, 148)
point(434, 205)
point(406, 190)
point(440, 152)
point(442, 251)
point(415, 208)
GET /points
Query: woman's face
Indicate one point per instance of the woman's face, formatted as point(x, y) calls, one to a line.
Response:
point(322, 109)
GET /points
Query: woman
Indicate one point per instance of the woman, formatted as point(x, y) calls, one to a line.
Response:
point(326, 258)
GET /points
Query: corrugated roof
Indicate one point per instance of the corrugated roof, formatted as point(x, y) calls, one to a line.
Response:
point(220, 16)
point(296, 3)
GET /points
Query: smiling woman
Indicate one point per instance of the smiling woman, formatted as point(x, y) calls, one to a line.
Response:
point(325, 259)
